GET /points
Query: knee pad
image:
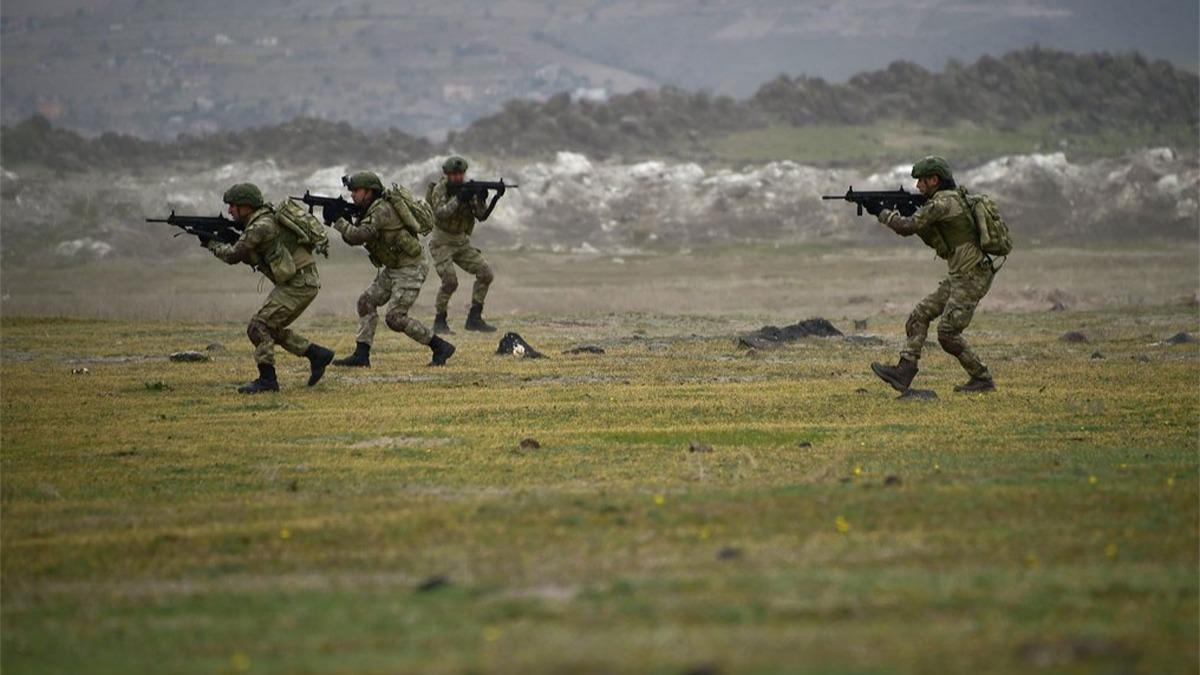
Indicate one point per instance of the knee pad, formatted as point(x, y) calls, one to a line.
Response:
point(397, 322)
point(485, 275)
point(951, 342)
point(365, 305)
point(449, 284)
point(258, 332)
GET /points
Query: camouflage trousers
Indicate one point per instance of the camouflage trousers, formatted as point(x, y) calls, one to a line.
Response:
point(955, 301)
point(397, 288)
point(286, 302)
point(448, 253)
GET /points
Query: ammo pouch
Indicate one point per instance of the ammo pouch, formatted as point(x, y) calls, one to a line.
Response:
point(933, 238)
point(279, 260)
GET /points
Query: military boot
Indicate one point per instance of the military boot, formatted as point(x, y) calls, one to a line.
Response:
point(318, 357)
point(440, 327)
point(266, 381)
point(361, 358)
point(899, 376)
point(475, 320)
point(977, 383)
point(442, 351)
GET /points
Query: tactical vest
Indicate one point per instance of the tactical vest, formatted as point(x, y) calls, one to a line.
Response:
point(461, 222)
point(393, 246)
point(947, 234)
point(280, 257)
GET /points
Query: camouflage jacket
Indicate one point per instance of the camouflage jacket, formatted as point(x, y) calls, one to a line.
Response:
point(945, 224)
point(267, 247)
point(383, 234)
point(452, 217)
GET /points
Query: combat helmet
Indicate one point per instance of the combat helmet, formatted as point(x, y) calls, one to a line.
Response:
point(932, 166)
point(244, 194)
point(368, 180)
point(454, 164)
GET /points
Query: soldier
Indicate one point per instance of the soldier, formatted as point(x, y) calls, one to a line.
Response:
point(450, 244)
point(944, 223)
point(396, 251)
point(273, 250)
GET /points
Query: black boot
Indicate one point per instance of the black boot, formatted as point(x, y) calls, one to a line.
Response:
point(361, 358)
point(266, 381)
point(900, 376)
point(475, 320)
point(318, 357)
point(977, 383)
point(440, 327)
point(442, 351)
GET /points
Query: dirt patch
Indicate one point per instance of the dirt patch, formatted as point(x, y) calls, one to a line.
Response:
point(395, 441)
point(773, 336)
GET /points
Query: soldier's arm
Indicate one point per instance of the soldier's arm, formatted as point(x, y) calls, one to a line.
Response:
point(357, 235)
point(243, 250)
point(906, 226)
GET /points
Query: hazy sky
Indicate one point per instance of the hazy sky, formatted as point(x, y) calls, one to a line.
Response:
point(160, 67)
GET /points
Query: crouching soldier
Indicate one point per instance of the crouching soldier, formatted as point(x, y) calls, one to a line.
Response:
point(450, 245)
point(275, 251)
point(395, 250)
point(945, 224)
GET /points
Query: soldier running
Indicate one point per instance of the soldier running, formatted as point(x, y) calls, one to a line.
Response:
point(395, 250)
point(945, 224)
point(275, 251)
point(450, 245)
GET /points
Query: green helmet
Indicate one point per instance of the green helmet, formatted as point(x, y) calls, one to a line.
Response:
point(454, 164)
point(365, 179)
point(932, 166)
point(244, 194)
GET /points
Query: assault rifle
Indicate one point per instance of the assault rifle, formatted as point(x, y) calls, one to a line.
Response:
point(204, 228)
point(471, 190)
point(900, 200)
point(332, 208)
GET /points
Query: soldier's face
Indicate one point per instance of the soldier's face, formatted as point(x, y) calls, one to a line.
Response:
point(456, 176)
point(360, 196)
point(240, 212)
point(927, 185)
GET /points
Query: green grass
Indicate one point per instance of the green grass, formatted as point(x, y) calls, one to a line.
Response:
point(900, 141)
point(1049, 527)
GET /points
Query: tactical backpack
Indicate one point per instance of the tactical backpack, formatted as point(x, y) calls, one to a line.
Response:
point(416, 214)
point(309, 231)
point(994, 238)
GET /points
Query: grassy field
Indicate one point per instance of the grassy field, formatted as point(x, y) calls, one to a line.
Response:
point(898, 142)
point(389, 520)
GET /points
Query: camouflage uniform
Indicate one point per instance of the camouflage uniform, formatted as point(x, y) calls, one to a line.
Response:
point(273, 250)
point(402, 269)
point(450, 245)
point(945, 224)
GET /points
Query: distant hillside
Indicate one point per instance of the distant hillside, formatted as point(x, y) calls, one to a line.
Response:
point(1028, 101)
point(1075, 94)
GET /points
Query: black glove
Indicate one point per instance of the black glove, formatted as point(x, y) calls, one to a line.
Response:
point(873, 208)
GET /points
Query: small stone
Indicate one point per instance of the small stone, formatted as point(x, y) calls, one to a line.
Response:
point(529, 444)
point(1181, 339)
point(1097, 355)
point(433, 583)
point(585, 349)
point(892, 481)
point(189, 357)
point(804, 444)
point(215, 347)
point(861, 390)
point(1074, 336)
point(729, 553)
point(80, 371)
point(1058, 306)
point(918, 394)
point(697, 446)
